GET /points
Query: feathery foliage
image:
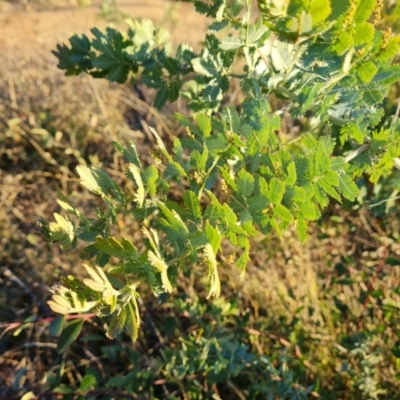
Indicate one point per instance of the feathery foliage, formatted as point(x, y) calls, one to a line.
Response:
point(236, 179)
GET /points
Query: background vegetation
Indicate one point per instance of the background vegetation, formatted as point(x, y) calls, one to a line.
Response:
point(319, 320)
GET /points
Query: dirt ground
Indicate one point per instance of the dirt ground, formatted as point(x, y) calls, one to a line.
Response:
point(42, 27)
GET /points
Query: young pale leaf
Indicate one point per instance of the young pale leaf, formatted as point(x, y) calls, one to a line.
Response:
point(140, 194)
point(162, 267)
point(151, 176)
point(230, 43)
point(174, 219)
point(88, 180)
point(62, 230)
point(215, 289)
point(61, 302)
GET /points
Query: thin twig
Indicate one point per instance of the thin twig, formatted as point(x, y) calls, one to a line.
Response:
point(357, 152)
point(15, 325)
point(98, 98)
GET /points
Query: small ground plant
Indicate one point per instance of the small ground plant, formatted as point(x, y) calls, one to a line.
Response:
point(230, 178)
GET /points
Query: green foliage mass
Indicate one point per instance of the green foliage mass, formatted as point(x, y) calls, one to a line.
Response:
point(235, 178)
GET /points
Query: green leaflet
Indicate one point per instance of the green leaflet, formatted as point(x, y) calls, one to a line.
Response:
point(319, 9)
point(214, 237)
point(112, 247)
point(244, 258)
point(301, 229)
point(291, 174)
point(192, 205)
point(276, 191)
point(364, 10)
point(204, 124)
point(366, 71)
point(347, 187)
point(245, 183)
